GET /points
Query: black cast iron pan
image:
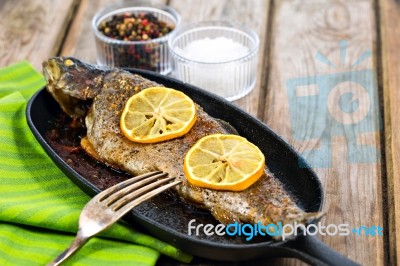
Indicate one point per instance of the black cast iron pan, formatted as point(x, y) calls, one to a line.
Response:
point(167, 217)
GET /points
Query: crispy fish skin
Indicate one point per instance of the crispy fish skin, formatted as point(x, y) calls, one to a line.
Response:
point(265, 201)
point(72, 82)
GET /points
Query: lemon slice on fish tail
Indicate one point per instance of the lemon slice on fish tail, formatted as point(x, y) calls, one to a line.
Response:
point(157, 114)
point(224, 162)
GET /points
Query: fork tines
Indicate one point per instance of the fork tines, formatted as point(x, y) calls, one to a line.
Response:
point(136, 190)
point(110, 205)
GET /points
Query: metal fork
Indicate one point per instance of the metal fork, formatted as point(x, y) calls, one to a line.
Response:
point(107, 207)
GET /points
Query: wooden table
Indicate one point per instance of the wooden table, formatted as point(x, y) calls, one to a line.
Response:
point(302, 42)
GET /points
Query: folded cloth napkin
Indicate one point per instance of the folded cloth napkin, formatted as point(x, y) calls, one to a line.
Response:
point(40, 206)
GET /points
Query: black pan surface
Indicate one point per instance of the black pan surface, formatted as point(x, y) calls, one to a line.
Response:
point(167, 218)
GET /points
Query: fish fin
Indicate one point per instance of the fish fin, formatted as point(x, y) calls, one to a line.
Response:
point(224, 216)
point(89, 149)
point(311, 217)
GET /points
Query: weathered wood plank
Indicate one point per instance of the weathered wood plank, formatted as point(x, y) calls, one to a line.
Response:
point(80, 40)
point(254, 14)
point(390, 44)
point(251, 13)
point(32, 30)
point(321, 98)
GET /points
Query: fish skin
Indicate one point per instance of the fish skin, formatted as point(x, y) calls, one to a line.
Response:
point(265, 201)
point(72, 82)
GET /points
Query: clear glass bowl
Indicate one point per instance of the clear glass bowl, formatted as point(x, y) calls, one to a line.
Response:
point(232, 75)
point(151, 55)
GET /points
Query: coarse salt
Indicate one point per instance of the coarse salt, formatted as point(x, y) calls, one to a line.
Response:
point(213, 65)
point(207, 50)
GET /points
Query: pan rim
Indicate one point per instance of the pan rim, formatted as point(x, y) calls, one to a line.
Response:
point(185, 237)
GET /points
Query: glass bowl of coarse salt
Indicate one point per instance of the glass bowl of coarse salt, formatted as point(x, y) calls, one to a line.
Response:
point(217, 56)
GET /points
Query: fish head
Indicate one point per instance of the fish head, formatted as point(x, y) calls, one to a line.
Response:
point(72, 83)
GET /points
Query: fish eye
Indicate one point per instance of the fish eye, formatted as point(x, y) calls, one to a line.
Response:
point(68, 62)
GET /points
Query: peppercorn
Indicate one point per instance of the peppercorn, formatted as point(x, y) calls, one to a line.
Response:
point(145, 25)
point(135, 27)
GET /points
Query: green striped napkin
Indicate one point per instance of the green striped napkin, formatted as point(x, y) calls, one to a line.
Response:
point(39, 206)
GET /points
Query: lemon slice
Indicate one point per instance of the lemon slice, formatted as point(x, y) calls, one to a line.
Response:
point(157, 114)
point(224, 162)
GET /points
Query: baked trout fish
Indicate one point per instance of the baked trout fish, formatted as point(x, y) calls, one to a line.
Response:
point(73, 83)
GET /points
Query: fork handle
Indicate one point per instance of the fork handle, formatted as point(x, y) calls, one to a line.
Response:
point(78, 242)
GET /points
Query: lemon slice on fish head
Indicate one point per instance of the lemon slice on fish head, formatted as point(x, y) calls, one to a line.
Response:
point(157, 114)
point(224, 162)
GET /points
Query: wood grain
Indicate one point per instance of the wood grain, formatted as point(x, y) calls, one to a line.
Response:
point(353, 191)
point(32, 30)
point(79, 40)
point(254, 14)
point(390, 44)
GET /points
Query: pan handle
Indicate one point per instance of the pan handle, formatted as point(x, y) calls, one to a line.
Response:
point(311, 250)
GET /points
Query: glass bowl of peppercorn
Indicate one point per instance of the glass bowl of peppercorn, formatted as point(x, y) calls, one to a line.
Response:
point(134, 34)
